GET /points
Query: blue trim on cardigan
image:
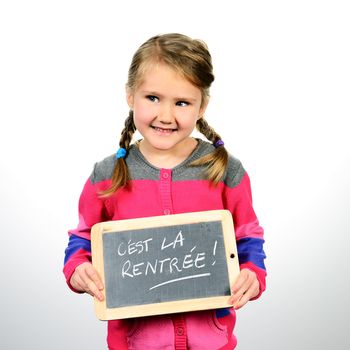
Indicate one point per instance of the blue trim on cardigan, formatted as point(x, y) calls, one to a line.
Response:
point(251, 250)
point(75, 243)
point(222, 312)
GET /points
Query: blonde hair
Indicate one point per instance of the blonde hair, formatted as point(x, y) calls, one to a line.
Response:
point(191, 59)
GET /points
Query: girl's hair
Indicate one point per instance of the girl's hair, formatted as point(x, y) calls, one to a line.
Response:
point(191, 59)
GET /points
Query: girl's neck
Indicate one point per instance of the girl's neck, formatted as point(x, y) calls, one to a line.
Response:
point(164, 158)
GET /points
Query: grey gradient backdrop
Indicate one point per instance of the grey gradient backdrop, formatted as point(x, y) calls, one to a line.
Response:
point(280, 101)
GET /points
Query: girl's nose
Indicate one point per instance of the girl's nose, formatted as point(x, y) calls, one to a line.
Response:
point(166, 115)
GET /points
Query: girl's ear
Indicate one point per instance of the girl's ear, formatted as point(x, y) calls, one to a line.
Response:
point(203, 108)
point(129, 97)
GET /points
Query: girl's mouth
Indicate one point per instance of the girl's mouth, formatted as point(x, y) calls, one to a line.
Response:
point(163, 130)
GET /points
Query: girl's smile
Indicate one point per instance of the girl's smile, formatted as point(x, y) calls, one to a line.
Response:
point(163, 131)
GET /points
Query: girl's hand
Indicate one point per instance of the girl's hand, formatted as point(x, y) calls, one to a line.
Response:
point(245, 288)
point(86, 279)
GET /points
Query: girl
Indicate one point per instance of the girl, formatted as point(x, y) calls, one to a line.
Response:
point(168, 92)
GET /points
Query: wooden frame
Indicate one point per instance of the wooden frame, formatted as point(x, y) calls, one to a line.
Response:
point(98, 230)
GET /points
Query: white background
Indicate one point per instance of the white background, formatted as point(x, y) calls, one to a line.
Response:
point(280, 101)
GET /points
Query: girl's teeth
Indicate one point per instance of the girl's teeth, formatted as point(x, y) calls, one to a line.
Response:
point(163, 130)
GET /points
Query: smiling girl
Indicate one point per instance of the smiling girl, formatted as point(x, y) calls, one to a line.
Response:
point(168, 92)
point(166, 108)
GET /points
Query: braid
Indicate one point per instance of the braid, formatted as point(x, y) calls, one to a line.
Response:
point(128, 131)
point(205, 129)
point(120, 176)
point(215, 161)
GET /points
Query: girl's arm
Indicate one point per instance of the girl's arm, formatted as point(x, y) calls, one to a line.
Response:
point(249, 237)
point(78, 270)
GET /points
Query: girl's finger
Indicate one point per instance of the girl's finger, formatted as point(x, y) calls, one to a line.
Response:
point(93, 275)
point(242, 301)
point(239, 282)
point(245, 287)
point(90, 286)
point(240, 286)
point(237, 295)
point(94, 291)
point(77, 283)
point(250, 293)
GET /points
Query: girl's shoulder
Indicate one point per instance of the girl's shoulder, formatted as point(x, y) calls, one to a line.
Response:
point(103, 170)
point(234, 172)
point(234, 169)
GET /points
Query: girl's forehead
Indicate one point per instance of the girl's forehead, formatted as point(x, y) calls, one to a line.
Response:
point(158, 68)
point(159, 72)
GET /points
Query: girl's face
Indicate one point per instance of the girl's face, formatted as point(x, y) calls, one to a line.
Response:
point(166, 108)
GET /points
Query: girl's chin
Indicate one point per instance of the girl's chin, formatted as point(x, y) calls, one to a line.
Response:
point(163, 144)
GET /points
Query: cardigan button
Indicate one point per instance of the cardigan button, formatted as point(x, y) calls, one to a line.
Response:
point(180, 331)
point(165, 175)
point(166, 211)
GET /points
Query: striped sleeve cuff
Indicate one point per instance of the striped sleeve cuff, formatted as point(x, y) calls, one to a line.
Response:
point(77, 252)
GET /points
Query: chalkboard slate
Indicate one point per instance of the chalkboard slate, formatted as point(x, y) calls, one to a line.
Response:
point(165, 264)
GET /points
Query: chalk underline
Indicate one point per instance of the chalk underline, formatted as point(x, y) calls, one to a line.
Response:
point(180, 279)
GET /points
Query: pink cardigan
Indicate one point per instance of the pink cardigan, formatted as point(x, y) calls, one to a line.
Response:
point(154, 192)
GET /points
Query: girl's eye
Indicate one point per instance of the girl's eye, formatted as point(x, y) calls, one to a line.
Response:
point(152, 98)
point(182, 103)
